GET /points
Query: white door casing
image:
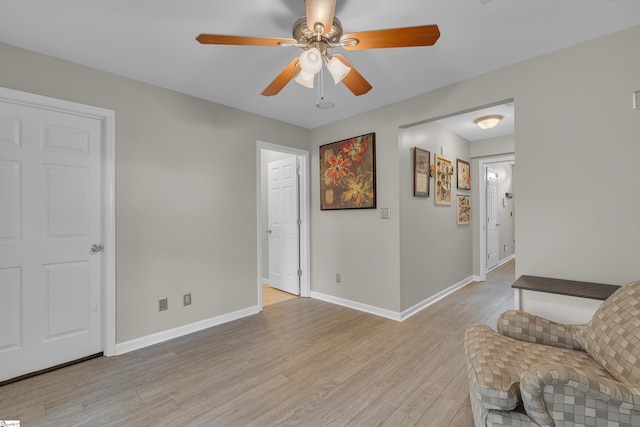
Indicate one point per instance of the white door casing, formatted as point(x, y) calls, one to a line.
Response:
point(283, 228)
point(493, 237)
point(52, 188)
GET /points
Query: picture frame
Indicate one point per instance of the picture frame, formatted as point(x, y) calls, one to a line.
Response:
point(348, 173)
point(463, 209)
point(421, 172)
point(464, 174)
point(443, 180)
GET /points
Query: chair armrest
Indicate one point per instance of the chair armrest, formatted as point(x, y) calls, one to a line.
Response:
point(528, 327)
point(561, 393)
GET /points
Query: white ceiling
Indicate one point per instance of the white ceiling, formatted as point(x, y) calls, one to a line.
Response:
point(154, 41)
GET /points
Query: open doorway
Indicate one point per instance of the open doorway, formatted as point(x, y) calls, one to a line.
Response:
point(283, 223)
point(498, 212)
point(494, 147)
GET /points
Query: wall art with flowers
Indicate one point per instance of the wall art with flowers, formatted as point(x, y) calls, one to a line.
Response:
point(443, 178)
point(348, 173)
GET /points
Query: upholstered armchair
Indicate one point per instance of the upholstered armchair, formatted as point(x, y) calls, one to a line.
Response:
point(535, 372)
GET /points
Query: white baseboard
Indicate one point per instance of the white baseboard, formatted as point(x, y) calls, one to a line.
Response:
point(393, 315)
point(389, 314)
point(435, 298)
point(507, 259)
point(477, 279)
point(170, 334)
point(266, 281)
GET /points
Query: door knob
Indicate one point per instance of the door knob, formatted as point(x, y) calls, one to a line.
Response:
point(97, 248)
point(269, 231)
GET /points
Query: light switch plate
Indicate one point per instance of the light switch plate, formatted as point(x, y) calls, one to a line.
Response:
point(385, 213)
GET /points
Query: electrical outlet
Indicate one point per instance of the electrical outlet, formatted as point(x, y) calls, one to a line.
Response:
point(338, 278)
point(163, 304)
point(186, 299)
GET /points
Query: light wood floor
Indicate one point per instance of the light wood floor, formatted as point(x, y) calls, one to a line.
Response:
point(272, 296)
point(302, 362)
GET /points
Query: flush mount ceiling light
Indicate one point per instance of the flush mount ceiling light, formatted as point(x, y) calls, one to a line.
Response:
point(488, 122)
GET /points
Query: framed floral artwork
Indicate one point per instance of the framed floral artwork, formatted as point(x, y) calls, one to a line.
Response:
point(464, 174)
point(464, 209)
point(348, 173)
point(443, 177)
point(421, 172)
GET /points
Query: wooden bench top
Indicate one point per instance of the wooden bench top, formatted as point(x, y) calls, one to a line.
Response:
point(572, 288)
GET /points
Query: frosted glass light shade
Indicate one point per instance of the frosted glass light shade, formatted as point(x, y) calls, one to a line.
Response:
point(311, 61)
point(488, 122)
point(337, 69)
point(305, 79)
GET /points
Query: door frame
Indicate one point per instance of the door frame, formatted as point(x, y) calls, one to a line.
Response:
point(108, 273)
point(497, 205)
point(303, 201)
point(482, 206)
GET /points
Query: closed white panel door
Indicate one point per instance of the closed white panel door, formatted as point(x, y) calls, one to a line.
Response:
point(284, 259)
point(50, 217)
point(493, 237)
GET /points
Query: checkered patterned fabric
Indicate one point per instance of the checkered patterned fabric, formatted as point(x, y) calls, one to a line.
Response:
point(612, 337)
point(538, 364)
point(527, 327)
point(564, 396)
point(496, 362)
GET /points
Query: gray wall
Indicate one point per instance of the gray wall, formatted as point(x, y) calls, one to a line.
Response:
point(575, 134)
point(492, 147)
point(185, 191)
point(186, 201)
point(429, 234)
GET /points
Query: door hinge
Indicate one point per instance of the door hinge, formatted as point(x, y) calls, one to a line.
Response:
point(299, 221)
point(299, 273)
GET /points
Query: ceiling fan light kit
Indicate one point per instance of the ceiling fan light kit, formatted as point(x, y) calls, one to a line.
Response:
point(311, 61)
point(317, 33)
point(305, 79)
point(337, 69)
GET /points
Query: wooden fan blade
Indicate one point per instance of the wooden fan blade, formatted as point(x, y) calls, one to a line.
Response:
point(283, 78)
point(241, 40)
point(354, 80)
point(322, 12)
point(425, 35)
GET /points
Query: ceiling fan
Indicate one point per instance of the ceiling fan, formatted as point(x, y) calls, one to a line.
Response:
point(317, 34)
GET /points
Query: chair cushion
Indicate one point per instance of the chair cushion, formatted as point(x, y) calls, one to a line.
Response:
point(612, 337)
point(495, 363)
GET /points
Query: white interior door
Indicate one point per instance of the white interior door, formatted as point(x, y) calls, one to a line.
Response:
point(283, 227)
point(50, 217)
point(493, 237)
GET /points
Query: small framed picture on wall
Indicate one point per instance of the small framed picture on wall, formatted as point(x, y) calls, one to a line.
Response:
point(464, 174)
point(443, 179)
point(464, 209)
point(421, 173)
